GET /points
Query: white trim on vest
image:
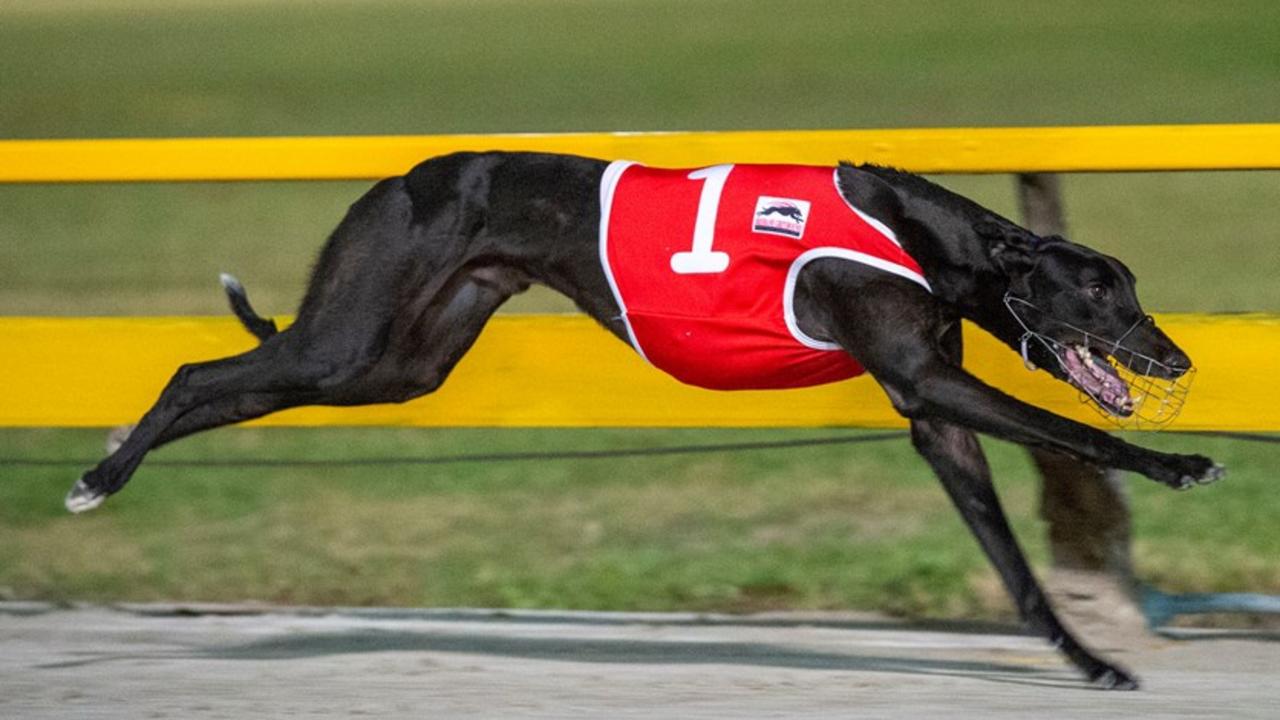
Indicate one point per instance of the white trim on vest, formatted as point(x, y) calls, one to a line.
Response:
point(874, 223)
point(609, 183)
point(789, 290)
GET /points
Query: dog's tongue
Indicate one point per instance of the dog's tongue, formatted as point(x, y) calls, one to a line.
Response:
point(1098, 379)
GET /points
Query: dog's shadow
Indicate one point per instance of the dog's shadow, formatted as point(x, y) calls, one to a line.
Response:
point(299, 645)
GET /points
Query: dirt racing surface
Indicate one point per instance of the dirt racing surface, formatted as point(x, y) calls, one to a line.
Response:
point(234, 662)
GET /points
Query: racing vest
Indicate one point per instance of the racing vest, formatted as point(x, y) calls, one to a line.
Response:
point(703, 265)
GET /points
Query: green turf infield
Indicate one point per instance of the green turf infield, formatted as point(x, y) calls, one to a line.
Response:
point(860, 527)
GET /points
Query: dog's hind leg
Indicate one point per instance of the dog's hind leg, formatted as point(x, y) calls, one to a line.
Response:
point(958, 461)
point(374, 266)
point(421, 349)
point(274, 368)
point(420, 353)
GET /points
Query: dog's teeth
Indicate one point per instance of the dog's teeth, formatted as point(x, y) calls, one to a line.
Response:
point(1029, 365)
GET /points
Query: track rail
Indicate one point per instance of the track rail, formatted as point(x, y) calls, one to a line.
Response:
point(938, 150)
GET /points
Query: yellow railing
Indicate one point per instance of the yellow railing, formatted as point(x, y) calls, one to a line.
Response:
point(950, 150)
point(548, 370)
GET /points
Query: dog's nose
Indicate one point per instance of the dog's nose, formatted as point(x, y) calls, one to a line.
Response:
point(1177, 361)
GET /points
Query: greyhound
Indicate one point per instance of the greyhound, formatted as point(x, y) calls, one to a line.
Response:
point(783, 210)
point(420, 262)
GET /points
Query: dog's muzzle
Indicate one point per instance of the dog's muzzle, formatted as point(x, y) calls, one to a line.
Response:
point(1136, 393)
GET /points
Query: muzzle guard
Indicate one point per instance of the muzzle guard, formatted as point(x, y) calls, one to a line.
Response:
point(1136, 393)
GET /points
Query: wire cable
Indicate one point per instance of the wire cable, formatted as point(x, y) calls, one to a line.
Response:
point(1247, 437)
point(550, 455)
point(545, 456)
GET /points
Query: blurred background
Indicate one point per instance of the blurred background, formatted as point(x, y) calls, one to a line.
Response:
point(862, 528)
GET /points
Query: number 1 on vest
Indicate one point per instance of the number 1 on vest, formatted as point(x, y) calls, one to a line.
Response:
point(702, 259)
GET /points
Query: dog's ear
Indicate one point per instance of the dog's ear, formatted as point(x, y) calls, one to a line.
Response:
point(1011, 249)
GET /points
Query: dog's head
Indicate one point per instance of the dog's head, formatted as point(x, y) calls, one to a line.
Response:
point(1081, 321)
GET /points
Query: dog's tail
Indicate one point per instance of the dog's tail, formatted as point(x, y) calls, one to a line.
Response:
point(261, 327)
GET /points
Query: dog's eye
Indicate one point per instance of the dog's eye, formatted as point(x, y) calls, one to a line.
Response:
point(1097, 292)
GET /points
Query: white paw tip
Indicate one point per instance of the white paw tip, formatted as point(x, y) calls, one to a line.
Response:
point(82, 498)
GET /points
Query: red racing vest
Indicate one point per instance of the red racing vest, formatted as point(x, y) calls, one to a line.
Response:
point(703, 264)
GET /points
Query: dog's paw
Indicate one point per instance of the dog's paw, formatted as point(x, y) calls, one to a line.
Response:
point(1111, 678)
point(1195, 470)
point(83, 498)
point(1215, 473)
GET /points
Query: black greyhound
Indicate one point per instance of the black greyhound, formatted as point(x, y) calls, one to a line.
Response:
point(785, 211)
point(410, 276)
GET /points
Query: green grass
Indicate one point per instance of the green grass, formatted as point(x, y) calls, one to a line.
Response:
point(861, 527)
point(827, 527)
point(266, 67)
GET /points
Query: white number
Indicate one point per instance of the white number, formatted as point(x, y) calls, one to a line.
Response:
point(702, 259)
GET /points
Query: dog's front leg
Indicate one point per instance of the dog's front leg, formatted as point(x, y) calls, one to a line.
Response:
point(950, 393)
point(904, 338)
point(958, 461)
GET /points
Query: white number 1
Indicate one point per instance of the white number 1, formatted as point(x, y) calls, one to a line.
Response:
point(702, 259)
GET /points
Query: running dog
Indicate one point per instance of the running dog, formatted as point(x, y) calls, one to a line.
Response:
point(873, 274)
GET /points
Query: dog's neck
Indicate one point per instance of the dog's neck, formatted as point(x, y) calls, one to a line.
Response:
point(938, 228)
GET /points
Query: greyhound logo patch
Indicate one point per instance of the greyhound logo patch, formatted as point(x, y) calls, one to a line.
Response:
point(780, 216)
